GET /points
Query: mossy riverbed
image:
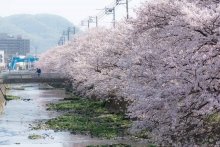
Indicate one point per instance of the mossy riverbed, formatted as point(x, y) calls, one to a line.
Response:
point(11, 97)
point(111, 145)
point(88, 117)
point(34, 136)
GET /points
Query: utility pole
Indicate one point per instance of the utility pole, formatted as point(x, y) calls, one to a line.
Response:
point(61, 41)
point(88, 23)
point(96, 20)
point(82, 23)
point(91, 20)
point(68, 31)
point(111, 11)
point(71, 30)
point(65, 33)
point(114, 17)
point(126, 3)
point(127, 9)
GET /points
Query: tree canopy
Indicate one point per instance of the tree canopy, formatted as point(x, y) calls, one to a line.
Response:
point(165, 62)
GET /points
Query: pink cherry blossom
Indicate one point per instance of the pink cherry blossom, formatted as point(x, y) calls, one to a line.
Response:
point(165, 63)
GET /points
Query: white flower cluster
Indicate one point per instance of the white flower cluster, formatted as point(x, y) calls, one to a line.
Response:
point(165, 62)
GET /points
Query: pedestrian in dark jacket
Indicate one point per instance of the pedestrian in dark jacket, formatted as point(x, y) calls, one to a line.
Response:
point(38, 72)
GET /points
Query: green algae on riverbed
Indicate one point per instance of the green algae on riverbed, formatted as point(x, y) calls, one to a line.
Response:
point(110, 145)
point(11, 97)
point(116, 145)
point(89, 118)
point(34, 136)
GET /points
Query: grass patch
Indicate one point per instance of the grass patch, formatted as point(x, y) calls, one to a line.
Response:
point(112, 145)
point(142, 134)
point(27, 86)
point(11, 97)
point(116, 145)
point(34, 136)
point(38, 127)
point(88, 117)
point(213, 118)
point(71, 98)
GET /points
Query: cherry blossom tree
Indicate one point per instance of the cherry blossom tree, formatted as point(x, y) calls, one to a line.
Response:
point(165, 61)
point(49, 60)
point(175, 82)
point(91, 60)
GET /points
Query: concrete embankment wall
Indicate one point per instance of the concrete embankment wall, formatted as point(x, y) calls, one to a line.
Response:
point(2, 97)
point(112, 104)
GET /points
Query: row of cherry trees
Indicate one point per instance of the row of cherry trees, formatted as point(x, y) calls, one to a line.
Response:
point(165, 62)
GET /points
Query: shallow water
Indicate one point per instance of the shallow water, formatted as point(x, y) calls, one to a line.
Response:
point(19, 115)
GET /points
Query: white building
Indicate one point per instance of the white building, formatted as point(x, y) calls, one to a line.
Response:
point(2, 61)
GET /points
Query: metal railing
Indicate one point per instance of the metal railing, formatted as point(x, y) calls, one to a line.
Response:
point(30, 75)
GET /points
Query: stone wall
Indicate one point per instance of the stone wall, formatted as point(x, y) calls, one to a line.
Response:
point(2, 97)
point(113, 105)
point(116, 106)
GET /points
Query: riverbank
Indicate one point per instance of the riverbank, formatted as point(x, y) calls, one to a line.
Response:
point(20, 114)
point(102, 119)
point(91, 118)
point(3, 90)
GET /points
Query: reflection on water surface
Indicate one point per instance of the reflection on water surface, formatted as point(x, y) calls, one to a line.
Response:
point(19, 115)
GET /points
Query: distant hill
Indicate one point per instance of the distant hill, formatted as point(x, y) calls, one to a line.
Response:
point(43, 30)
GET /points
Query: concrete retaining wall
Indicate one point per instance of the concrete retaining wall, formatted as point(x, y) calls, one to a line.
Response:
point(2, 97)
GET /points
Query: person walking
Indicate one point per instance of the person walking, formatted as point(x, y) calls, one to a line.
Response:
point(38, 72)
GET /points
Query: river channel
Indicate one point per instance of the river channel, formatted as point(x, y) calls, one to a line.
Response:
point(19, 115)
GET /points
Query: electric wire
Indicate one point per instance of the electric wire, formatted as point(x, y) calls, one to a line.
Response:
point(100, 16)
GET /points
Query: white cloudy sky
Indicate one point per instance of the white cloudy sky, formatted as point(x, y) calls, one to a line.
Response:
point(72, 10)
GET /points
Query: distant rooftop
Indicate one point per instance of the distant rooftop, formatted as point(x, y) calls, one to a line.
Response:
point(5, 36)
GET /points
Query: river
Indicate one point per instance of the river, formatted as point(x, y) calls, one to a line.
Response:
point(19, 115)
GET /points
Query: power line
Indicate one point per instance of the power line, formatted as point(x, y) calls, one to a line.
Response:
point(110, 9)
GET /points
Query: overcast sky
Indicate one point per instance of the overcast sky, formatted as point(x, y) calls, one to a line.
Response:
point(72, 10)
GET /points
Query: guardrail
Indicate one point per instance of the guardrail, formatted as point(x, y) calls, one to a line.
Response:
point(30, 75)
